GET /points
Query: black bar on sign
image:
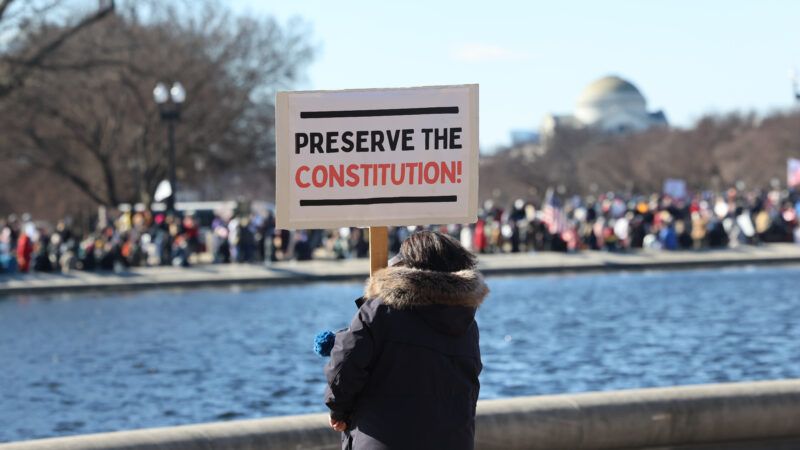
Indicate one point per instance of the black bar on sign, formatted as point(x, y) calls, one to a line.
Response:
point(379, 112)
point(380, 200)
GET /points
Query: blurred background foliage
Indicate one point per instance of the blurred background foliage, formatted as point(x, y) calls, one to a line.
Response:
point(79, 127)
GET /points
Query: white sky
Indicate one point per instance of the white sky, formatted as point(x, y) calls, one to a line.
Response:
point(688, 57)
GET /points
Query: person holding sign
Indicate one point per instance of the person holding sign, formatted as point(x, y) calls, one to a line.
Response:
point(405, 374)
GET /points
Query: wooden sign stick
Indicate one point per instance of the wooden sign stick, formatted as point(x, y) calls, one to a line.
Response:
point(378, 249)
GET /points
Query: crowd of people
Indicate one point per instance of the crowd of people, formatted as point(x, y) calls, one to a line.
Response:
point(609, 222)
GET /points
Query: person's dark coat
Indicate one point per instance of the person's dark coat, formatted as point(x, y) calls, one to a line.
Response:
point(405, 374)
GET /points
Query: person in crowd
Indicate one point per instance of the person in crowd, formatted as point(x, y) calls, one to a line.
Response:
point(480, 235)
point(191, 233)
point(8, 260)
point(24, 251)
point(162, 239)
point(359, 243)
point(222, 251)
point(40, 257)
point(302, 246)
point(246, 242)
point(405, 374)
point(265, 237)
point(340, 247)
point(181, 250)
point(667, 235)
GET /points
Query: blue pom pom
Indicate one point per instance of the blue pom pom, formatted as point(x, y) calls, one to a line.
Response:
point(323, 343)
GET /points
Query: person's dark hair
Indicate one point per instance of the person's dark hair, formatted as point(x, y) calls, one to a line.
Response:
point(431, 250)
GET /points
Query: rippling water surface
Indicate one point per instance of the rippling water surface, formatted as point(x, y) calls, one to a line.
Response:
point(89, 363)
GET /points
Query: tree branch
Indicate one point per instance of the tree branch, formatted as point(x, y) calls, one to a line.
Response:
point(28, 64)
point(4, 4)
point(65, 35)
point(56, 167)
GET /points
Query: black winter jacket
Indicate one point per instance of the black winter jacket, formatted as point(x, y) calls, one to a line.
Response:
point(405, 374)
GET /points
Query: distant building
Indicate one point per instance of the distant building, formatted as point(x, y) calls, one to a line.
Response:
point(520, 137)
point(610, 104)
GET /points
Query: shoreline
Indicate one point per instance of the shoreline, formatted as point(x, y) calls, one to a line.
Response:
point(294, 272)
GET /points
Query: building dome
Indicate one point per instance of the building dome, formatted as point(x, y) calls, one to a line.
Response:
point(609, 97)
point(610, 104)
point(608, 87)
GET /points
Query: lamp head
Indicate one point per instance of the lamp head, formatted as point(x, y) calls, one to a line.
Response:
point(160, 93)
point(177, 92)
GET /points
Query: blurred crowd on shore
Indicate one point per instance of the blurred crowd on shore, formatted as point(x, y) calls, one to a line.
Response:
point(609, 222)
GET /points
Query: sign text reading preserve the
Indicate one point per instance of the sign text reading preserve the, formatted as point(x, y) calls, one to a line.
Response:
point(377, 157)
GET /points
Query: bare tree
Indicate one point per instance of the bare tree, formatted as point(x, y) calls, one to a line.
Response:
point(717, 151)
point(96, 126)
point(19, 19)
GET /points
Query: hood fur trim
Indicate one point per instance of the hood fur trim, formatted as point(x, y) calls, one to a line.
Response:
point(402, 287)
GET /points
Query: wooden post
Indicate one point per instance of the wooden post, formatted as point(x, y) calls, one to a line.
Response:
point(378, 248)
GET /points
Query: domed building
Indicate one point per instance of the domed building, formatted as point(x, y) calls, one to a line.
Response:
point(611, 104)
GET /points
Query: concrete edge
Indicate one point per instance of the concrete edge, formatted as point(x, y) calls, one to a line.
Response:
point(676, 417)
point(297, 278)
point(118, 286)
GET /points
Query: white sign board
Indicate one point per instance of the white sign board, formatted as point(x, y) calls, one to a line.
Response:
point(675, 188)
point(793, 172)
point(372, 157)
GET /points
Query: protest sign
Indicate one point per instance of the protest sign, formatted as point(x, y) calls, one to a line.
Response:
point(377, 157)
point(793, 172)
point(675, 188)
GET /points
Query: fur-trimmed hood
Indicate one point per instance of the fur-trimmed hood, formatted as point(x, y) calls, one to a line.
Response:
point(402, 287)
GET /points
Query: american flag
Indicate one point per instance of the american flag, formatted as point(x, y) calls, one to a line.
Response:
point(793, 172)
point(553, 214)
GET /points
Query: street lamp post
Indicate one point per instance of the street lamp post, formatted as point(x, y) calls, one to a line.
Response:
point(169, 102)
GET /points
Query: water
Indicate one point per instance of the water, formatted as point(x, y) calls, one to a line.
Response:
point(91, 363)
